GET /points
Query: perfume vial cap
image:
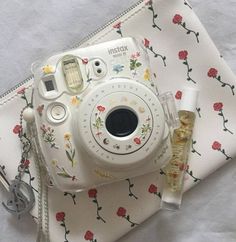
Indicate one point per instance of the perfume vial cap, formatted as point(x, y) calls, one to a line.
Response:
point(189, 99)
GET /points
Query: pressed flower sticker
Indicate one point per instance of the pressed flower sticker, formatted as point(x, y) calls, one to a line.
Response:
point(99, 123)
point(70, 150)
point(48, 136)
point(48, 69)
point(75, 100)
point(40, 109)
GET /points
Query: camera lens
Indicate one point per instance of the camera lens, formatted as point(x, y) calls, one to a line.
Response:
point(121, 122)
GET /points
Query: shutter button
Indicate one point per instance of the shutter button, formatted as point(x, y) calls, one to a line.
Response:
point(57, 112)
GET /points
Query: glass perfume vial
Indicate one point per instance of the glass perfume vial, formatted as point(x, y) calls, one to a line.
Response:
point(181, 142)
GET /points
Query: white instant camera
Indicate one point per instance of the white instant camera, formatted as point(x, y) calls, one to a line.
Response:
point(98, 115)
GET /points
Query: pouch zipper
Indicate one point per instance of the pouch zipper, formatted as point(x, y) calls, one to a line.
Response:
point(87, 38)
point(44, 203)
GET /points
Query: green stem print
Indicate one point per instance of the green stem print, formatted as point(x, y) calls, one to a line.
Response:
point(187, 4)
point(193, 149)
point(218, 107)
point(72, 195)
point(178, 19)
point(131, 185)
point(60, 217)
point(146, 43)
point(190, 173)
point(149, 3)
point(183, 55)
point(199, 112)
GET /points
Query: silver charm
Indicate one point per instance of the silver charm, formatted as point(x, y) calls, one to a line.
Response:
point(22, 197)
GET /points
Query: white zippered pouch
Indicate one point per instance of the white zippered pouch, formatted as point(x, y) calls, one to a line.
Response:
point(174, 37)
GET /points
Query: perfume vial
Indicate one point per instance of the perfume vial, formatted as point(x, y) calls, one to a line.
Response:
point(181, 142)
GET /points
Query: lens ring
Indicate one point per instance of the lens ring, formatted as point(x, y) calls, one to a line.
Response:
point(121, 122)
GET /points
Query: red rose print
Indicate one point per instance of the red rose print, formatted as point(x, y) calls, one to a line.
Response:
point(177, 19)
point(152, 188)
point(146, 42)
point(183, 55)
point(212, 72)
point(178, 95)
point(216, 145)
point(21, 91)
point(88, 235)
point(121, 212)
point(60, 216)
point(17, 129)
point(117, 25)
point(101, 108)
point(92, 193)
point(85, 61)
point(218, 106)
point(137, 141)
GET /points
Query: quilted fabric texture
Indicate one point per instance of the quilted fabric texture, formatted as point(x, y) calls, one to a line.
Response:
point(181, 54)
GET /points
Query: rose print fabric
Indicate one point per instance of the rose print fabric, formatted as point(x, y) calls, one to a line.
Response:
point(179, 50)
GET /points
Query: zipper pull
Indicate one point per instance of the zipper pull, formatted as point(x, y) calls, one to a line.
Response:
point(21, 196)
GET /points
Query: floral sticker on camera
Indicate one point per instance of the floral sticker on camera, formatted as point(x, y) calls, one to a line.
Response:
point(70, 150)
point(48, 136)
point(99, 123)
point(145, 130)
point(135, 63)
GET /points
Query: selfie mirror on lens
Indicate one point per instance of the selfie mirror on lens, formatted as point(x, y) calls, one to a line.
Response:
point(98, 115)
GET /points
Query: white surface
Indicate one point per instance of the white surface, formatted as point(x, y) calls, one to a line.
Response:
point(30, 30)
